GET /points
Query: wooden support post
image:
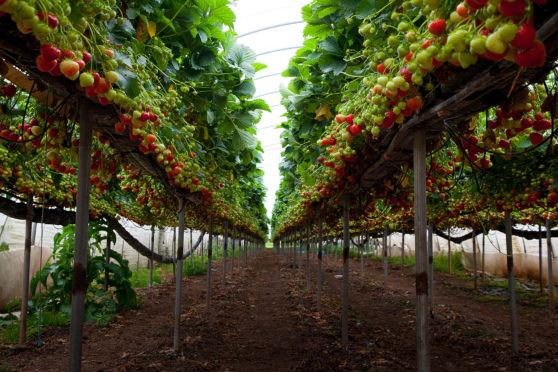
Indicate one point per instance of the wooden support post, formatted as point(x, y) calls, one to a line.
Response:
point(327, 250)
point(178, 284)
point(174, 251)
point(541, 287)
point(431, 267)
point(402, 250)
point(345, 295)
point(308, 257)
point(482, 258)
point(389, 245)
point(202, 253)
point(152, 246)
point(449, 252)
point(209, 258)
point(511, 283)
point(34, 233)
point(421, 266)
point(336, 248)
point(107, 261)
point(240, 243)
point(191, 245)
point(300, 254)
point(384, 253)
point(79, 280)
point(361, 248)
point(320, 248)
point(26, 270)
point(550, 255)
point(246, 246)
point(475, 282)
point(225, 244)
point(232, 255)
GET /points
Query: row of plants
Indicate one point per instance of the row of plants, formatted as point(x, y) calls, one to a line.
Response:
point(368, 67)
point(170, 94)
point(180, 87)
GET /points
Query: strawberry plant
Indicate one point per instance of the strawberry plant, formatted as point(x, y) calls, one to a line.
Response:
point(56, 276)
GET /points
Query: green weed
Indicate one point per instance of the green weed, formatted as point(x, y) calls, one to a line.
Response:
point(140, 278)
point(193, 267)
point(9, 326)
point(441, 263)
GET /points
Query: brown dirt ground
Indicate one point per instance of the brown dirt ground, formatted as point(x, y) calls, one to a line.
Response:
point(266, 320)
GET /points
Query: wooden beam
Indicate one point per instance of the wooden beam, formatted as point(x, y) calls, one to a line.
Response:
point(421, 255)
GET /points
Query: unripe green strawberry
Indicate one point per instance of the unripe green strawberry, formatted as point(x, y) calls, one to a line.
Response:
point(86, 79)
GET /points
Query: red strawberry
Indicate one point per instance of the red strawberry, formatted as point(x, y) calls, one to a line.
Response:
point(119, 127)
point(381, 68)
point(349, 119)
point(406, 111)
point(526, 123)
point(540, 125)
point(102, 86)
point(414, 103)
point(52, 21)
point(150, 138)
point(56, 70)
point(536, 138)
point(476, 4)
point(86, 57)
point(43, 64)
point(511, 9)
point(437, 26)
point(144, 117)
point(50, 52)
point(80, 63)
point(340, 118)
point(407, 75)
point(9, 90)
point(531, 57)
point(90, 91)
point(462, 10)
point(495, 57)
point(125, 119)
point(354, 129)
point(525, 36)
point(65, 53)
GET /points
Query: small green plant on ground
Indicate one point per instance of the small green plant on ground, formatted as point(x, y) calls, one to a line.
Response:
point(140, 278)
point(9, 326)
point(496, 291)
point(193, 267)
point(100, 305)
point(441, 263)
point(4, 247)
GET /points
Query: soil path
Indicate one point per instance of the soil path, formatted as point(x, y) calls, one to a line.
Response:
point(264, 319)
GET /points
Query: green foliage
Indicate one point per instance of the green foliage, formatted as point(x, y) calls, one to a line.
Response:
point(140, 278)
point(4, 247)
point(441, 263)
point(9, 326)
point(193, 267)
point(99, 305)
point(322, 72)
point(180, 59)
